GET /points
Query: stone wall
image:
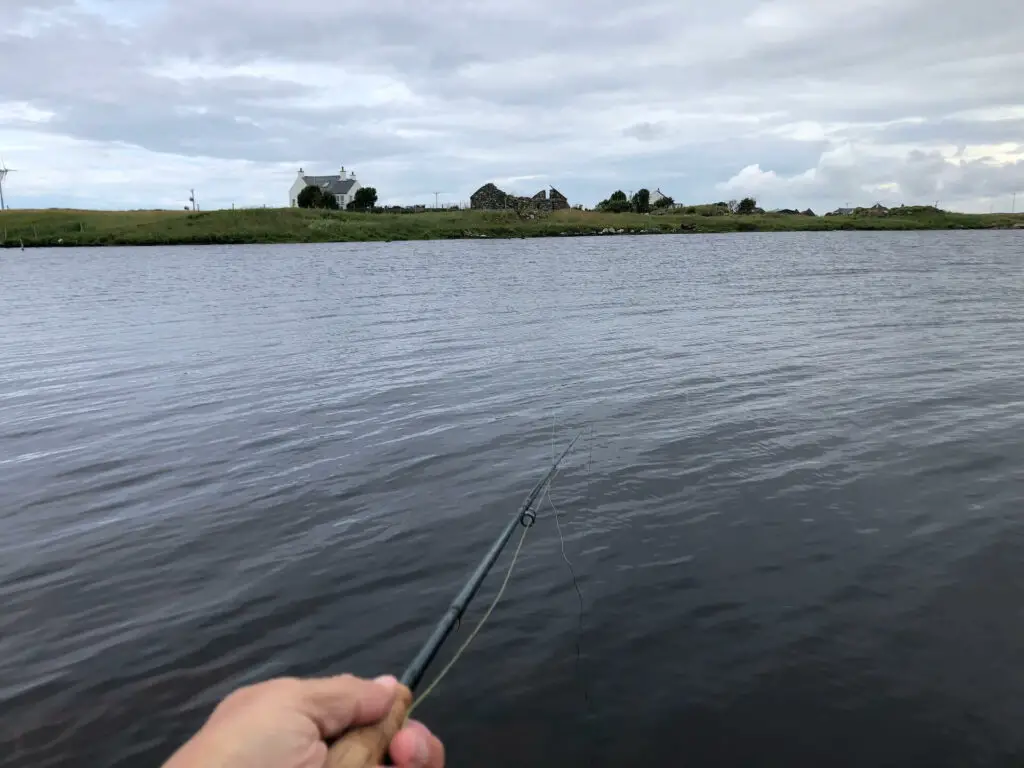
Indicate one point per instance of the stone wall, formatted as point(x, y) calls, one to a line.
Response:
point(489, 197)
point(559, 202)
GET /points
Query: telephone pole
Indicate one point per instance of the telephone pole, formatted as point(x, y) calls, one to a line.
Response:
point(1013, 205)
point(435, 199)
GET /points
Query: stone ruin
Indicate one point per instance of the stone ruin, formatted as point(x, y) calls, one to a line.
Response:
point(490, 198)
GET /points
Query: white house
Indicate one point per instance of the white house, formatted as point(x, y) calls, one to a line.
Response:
point(657, 195)
point(343, 187)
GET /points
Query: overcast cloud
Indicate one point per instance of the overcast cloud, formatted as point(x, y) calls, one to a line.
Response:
point(129, 103)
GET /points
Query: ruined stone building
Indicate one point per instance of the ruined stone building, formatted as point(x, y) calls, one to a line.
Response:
point(490, 198)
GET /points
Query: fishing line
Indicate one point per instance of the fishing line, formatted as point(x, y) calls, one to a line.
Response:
point(477, 628)
point(561, 539)
point(525, 516)
point(576, 586)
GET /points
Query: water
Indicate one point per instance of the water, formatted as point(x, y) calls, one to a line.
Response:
point(795, 514)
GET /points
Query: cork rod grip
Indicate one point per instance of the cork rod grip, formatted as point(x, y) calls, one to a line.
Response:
point(365, 747)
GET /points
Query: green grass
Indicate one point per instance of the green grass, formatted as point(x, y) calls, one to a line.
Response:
point(293, 225)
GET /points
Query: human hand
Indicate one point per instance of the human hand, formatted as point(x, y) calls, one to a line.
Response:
point(287, 722)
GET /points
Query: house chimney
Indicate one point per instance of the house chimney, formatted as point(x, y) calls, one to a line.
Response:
point(342, 174)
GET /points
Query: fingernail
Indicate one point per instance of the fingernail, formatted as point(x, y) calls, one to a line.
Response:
point(387, 680)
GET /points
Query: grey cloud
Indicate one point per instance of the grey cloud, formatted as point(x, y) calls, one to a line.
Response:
point(954, 131)
point(586, 90)
point(645, 131)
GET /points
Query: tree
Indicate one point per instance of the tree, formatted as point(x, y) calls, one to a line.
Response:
point(642, 201)
point(364, 199)
point(328, 201)
point(311, 197)
point(664, 202)
point(746, 205)
point(616, 203)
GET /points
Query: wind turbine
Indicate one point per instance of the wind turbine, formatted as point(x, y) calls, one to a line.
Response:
point(4, 170)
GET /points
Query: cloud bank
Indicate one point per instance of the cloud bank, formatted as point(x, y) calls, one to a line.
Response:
point(130, 103)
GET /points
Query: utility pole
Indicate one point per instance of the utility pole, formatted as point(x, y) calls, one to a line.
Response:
point(435, 199)
point(192, 199)
point(1013, 206)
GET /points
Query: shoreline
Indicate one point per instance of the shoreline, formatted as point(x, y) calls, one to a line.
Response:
point(83, 228)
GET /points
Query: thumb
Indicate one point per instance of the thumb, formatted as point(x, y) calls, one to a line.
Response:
point(336, 703)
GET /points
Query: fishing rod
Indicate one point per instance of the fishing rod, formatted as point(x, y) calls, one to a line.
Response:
point(365, 747)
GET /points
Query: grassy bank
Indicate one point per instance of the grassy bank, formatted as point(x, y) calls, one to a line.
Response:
point(292, 225)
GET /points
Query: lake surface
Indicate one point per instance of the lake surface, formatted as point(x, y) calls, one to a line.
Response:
point(795, 514)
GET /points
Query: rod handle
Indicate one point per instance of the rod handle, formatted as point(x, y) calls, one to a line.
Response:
point(366, 746)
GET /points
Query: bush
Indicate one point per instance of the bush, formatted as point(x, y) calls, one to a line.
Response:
point(314, 197)
point(746, 206)
point(364, 199)
point(310, 197)
point(616, 206)
point(642, 201)
point(616, 203)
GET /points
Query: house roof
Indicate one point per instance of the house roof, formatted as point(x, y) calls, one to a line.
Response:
point(340, 186)
point(333, 184)
point(319, 181)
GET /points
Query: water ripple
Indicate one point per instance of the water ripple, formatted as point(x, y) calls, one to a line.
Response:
point(794, 523)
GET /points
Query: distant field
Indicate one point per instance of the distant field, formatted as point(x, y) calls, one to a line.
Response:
point(293, 225)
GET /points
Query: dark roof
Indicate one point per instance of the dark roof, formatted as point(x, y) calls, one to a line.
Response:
point(340, 187)
point(319, 181)
point(333, 184)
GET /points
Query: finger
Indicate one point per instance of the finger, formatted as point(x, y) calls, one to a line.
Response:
point(416, 747)
point(335, 703)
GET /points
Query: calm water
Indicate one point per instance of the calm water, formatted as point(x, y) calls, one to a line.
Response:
point(795, 515)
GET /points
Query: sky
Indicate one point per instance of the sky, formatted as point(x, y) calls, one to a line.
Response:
point(799, 103)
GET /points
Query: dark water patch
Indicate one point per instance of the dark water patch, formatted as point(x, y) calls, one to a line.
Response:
point(795, 525)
